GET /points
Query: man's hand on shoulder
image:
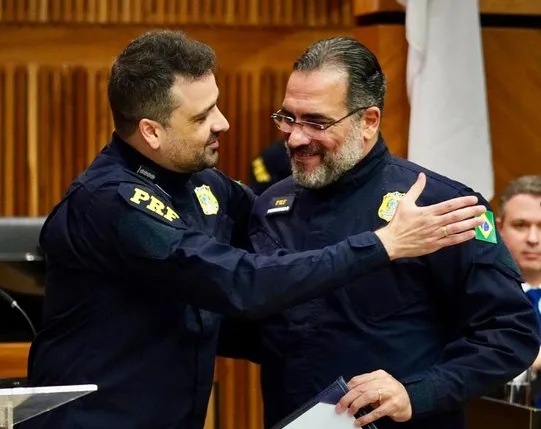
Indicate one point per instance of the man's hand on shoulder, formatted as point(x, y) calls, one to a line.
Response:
point(416, 231)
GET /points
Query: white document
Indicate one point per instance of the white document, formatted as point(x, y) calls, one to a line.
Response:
point(322, 416)
point(319, 413)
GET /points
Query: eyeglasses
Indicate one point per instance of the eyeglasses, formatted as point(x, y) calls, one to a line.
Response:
point(312, 130)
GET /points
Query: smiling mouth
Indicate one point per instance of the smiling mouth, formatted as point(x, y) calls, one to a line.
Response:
point(306, 152)
point(305, 155)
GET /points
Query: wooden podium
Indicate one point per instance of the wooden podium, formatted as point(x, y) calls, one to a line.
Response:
point(496, 414)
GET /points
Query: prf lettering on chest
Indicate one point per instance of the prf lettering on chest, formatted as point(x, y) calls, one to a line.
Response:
point(280, 202)
point(154, 204)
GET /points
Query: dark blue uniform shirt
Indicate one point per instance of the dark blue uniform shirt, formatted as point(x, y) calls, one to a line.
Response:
point(138, 265)
point(450, 326)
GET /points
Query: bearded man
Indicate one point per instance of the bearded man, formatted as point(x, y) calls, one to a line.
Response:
point(431, 332)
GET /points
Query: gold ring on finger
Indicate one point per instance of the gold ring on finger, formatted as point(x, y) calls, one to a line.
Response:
point(445, 233)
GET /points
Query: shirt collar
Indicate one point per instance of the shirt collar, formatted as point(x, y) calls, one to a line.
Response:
point(526, 287)
point(145, 168)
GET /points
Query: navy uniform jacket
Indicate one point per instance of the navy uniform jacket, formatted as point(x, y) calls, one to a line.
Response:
point(450, 326)
point(137, 262)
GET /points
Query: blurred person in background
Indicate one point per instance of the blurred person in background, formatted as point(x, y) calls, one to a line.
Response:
point(269, 167)
point(519, 224)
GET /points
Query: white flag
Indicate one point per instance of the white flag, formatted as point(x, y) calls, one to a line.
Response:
point(449, 130)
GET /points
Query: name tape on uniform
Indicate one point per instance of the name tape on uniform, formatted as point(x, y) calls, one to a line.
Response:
point(281, 205)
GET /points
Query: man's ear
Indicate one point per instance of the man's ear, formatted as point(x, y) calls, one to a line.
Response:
point(371, 119)
point(499, 223)
point(150, 130)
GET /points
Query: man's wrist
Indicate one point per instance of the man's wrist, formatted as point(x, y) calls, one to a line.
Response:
point(388, 242)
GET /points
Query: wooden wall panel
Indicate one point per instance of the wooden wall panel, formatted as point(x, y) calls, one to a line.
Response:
point(311, 13)
point(506, 7)
point(13, 357)
point(511, 7)
point(390, 46)
point(513, 70)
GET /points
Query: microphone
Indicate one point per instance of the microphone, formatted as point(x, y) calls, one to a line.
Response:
point(13, 304)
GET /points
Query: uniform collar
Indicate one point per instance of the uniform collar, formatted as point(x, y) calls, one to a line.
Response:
point(362, 171)
point(145, 168)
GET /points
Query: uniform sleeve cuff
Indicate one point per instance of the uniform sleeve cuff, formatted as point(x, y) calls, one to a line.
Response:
point(367, 239)
point(422, 395)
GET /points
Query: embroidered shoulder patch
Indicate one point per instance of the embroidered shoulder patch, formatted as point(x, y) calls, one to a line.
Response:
point(281, 205)
point(259, 169)
point(142, 198)
point(487, 230)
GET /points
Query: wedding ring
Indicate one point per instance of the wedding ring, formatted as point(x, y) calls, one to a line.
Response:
point(379, 396)
point(445, 234)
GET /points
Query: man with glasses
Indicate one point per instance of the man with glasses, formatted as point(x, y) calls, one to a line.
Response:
point(432, 331)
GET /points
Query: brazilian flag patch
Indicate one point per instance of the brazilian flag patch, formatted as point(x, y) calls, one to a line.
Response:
point(487, 230)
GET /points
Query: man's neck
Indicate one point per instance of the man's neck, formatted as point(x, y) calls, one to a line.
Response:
point(532, 278)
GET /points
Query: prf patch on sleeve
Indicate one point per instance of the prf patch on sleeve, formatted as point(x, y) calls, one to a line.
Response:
point(259, 169)
point(487, 230)
point(144, 200)
point(281, 205)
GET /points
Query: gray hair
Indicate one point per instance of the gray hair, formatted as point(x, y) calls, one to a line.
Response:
point(366, 81)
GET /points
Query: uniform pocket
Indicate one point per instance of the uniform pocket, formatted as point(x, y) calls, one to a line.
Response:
point(263, 243)
point(389, 291)
point(223, 228)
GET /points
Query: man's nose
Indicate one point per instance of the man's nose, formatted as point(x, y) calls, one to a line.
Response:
point(534, 235)
point(297, 138)
point(222, 124)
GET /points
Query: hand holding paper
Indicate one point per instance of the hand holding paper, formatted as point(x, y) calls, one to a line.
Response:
point(380, 390)
point(320, 413)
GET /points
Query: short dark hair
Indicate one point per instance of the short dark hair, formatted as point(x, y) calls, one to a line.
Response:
point(144, 72)
point(530, 185)
point(366, 81)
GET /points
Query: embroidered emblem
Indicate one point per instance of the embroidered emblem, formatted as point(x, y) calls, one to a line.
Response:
point(207, 200)
point(388, 206)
